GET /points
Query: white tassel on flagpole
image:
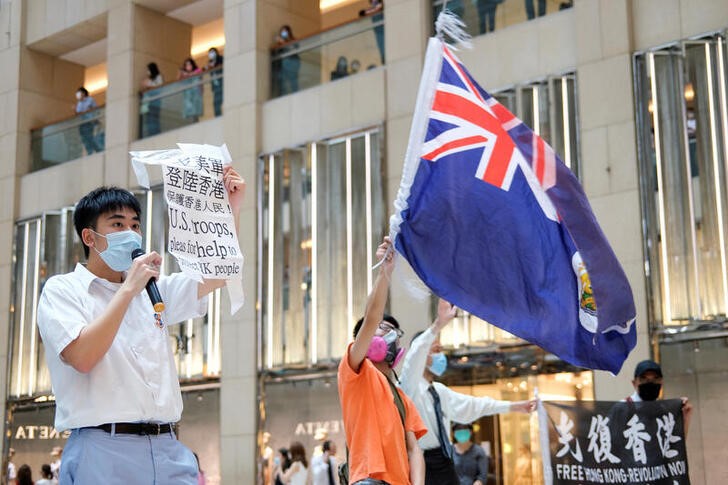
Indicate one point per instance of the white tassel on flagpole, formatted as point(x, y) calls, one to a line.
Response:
point(449, 26)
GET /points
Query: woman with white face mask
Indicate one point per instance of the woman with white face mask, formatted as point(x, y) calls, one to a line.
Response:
point(192, 97)
point(281, 464)
point(286, 69)
point(84, 104)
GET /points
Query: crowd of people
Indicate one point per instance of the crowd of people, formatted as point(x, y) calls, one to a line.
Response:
point(398, 430)
point(286, 66)
point(50, 472)
point(192, 106)
point(23, 475)
point(91, 129)
point(411, 428)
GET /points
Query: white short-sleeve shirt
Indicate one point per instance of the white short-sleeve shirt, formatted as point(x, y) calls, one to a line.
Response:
point(136, 381)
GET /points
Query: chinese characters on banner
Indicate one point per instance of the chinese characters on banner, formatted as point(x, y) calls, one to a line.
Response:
point(614, 442)
point(202, 235)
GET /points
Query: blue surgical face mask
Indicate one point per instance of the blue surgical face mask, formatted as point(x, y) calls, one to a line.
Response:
point(439, 364)
point(462, 435)
point(120, 245)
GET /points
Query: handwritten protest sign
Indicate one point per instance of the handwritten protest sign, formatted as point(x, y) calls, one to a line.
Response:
point(202, 235)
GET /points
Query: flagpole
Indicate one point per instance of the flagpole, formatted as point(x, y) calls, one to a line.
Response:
point(543, 434)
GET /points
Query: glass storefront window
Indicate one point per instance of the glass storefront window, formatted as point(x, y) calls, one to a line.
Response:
point(549, 108)
point(44, 246)
point(322, 215)
point(682, 125)
point(483, 16)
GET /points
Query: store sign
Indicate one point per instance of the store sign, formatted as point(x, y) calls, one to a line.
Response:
point(595, 442)
point(33, 436)
point(39, 432)
point(310, 427)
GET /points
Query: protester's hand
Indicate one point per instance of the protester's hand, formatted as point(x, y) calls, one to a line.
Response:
point(235, 186)
point(687, 408)
point(142, 269)
point(446, 311)
point(386, 251)
point(524, 406)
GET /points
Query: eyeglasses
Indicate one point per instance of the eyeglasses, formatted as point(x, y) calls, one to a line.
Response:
point(388, 327)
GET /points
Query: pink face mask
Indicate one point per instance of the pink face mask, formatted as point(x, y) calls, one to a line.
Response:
point(384, 349)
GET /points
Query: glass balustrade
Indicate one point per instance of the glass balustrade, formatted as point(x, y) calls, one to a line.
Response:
point(483, 16)
point(328, 55)
point(69, 139)
point(181, 103)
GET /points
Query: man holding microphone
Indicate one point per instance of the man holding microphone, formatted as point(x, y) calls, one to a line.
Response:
point(108, 353)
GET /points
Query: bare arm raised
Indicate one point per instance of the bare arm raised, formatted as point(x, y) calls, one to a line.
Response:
point(375, 306)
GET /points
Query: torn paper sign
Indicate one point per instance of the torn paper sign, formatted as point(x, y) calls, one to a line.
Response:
point(202, 235)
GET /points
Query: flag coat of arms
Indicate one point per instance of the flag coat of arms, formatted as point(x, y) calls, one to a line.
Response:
point(493, 221)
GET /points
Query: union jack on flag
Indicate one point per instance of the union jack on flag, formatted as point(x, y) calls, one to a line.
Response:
point(492, 220)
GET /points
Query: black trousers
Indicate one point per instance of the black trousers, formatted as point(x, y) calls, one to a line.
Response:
point(439, 469)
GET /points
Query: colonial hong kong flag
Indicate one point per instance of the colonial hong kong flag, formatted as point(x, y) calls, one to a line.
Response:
point(492, 220)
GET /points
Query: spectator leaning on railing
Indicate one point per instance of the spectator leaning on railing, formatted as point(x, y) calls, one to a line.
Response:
point(215, 62)
point(84, 104)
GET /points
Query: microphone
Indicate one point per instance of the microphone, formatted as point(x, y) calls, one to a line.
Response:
point(152, 289)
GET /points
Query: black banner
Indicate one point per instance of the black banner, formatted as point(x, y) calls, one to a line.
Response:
point(614, 442)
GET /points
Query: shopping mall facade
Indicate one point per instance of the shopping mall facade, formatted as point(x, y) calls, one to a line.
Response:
point(630, 93)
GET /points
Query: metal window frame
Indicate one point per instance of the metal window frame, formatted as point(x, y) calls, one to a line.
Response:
point(666, 329)
point(265, 334)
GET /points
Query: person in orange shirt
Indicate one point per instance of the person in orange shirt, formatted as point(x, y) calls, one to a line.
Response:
point(381, 423)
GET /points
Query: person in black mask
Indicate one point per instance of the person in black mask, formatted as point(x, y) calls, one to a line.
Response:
point(647, 384)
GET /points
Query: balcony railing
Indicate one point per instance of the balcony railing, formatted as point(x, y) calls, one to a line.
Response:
point(180, 103)
point(328, 55)
point(68, 139)
point(483, 16)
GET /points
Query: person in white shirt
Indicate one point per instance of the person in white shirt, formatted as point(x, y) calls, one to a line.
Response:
point(55, 465)
point(12, 473)
point(297, 474)
point(112, 369)
point(324, 467)
point(422, 363)
point(46, 476)
point(321, 435)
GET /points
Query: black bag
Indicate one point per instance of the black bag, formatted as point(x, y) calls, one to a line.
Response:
point(344, 470)
point(344, 467)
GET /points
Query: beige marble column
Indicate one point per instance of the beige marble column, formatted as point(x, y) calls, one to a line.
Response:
point(609, 163)
point(238, 413)
point(10, 139)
